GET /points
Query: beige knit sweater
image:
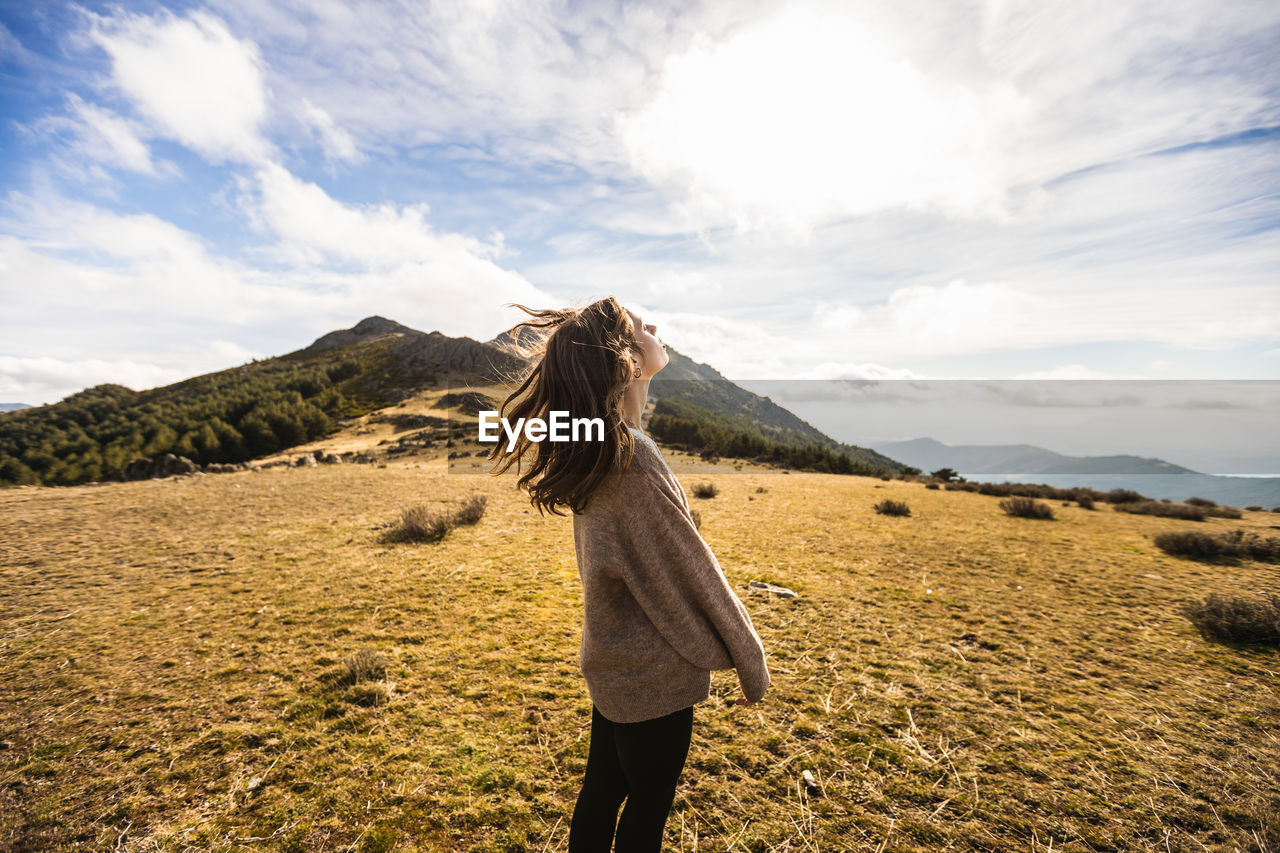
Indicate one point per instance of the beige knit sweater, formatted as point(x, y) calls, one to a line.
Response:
point(660, 615)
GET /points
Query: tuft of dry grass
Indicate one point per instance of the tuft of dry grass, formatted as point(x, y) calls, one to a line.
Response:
point(892, 507)
point(364, 665)
point(1023, 507)
point(705, 490)
point(422, 523)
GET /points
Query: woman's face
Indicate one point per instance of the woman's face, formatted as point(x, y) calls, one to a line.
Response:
point(653, 352)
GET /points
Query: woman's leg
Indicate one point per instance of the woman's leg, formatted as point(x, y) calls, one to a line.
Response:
point(603, 787)
point(652, 755)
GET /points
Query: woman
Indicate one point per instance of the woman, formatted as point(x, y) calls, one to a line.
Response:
point(659, 614)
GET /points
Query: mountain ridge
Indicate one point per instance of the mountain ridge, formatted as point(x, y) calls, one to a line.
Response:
point(260, 408)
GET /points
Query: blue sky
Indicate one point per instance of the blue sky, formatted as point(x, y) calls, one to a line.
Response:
point(1001, 190)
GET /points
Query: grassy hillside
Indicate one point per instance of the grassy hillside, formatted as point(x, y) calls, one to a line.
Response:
point(173, 654)
point(714, 434)
point(232, 415)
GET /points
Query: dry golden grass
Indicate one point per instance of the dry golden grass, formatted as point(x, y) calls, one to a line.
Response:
point(176, 660)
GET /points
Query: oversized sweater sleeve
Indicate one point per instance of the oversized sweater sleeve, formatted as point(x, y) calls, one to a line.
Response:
point(677, 581)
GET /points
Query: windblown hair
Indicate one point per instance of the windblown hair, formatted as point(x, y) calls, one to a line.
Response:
point(583, 366)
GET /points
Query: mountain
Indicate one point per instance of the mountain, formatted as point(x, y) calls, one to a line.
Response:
point(518, 340)
point(13, 407)
point(692, 390)
point(928, 454)
point(242, 413)
point(411, 352)
point(269, 405)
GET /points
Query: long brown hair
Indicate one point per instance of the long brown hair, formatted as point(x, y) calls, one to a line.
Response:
point(583, 366)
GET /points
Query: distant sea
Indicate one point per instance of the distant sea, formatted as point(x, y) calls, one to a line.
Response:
point(1244, 475)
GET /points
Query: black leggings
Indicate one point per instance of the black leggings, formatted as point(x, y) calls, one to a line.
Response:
point(637, 761)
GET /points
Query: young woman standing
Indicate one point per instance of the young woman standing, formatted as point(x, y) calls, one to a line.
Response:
point(659, 614)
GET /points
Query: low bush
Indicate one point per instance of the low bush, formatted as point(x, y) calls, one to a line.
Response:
point(1190, 543)
point(1208, 546)
point(472, 510)
point(1199, 502)
point(421, 524)
point(424, 524)
point(1022, 507)
point(705, 490)
point(1253, 546)
point(1164, 510)
point(931, 486)
point(888, 507)
point(1237, 619)
point(1085, 502)
point(1031, 490)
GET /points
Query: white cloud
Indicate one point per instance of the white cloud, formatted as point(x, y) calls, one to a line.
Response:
point(388, 260)
point(1111, 80)
point(316, 226)
point(980, 108)
point(1074, 371)
point(192, 79)
point(738, 349)
point(48, 380)
point(73, 257)
point(107, 138)
point(957, 317)
point(533, 82)
point(678, 285)
point(864, 370)
point(837, 317)
point(744, 133)
point(337, 143)
point(812, 114)
point(79, 266)
point(230, 352)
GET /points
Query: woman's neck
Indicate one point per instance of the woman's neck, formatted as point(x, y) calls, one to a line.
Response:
point(633, 402)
